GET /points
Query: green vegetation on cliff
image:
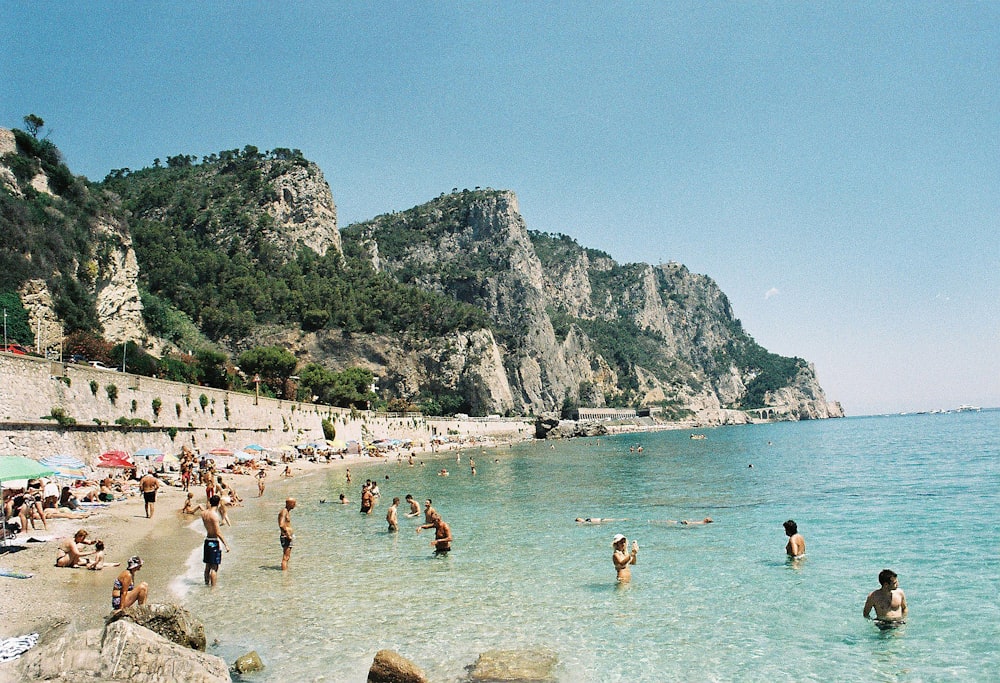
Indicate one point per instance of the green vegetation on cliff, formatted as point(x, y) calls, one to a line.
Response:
point(202, 243)
point(51, 236)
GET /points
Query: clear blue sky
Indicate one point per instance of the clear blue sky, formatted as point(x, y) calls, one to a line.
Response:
point(835, 167)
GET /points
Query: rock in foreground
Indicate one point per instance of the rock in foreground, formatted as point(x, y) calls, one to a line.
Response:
point(172, 622)
point(122, 651)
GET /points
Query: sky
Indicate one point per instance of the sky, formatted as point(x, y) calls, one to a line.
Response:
point(834, 167)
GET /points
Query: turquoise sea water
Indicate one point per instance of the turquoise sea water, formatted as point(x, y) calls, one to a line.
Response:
point(917, 494)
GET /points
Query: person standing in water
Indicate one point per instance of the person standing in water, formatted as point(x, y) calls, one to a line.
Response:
point(796, 546)
point(286, 534)
point(442, 534)
point(888, 601)
point(414, 506)
point(622, 559)
point(391, 517)
point(212, 552)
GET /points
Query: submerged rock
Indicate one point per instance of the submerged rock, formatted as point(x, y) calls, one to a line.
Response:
point(514, 666)
point(248, 663)
point(392, 667)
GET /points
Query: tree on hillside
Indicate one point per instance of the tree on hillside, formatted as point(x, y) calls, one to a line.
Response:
point(352, 388)
point(33, 124)
point(273, 363)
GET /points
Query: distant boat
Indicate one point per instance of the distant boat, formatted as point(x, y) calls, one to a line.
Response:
point(966, 408)
point(697, 436)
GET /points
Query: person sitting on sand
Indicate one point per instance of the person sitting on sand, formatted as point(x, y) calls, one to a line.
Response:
point(288, 471)
point(67, 499)
point(97, 562)
point(124, 592)
point(106, 495)
point(190, 507)
point(70, 554)
point(888, 601)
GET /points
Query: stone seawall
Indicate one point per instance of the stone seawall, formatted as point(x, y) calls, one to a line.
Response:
point(204, 418)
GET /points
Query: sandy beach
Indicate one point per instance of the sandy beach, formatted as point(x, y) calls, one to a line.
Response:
point(53, 596)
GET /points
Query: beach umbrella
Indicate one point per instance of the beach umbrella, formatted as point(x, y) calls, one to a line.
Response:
point(148, 453)
point(63, 460)
point(115, 459)
point(220, 451)
point(66, 466)
point(13, 467)
point(254, 447)
point(336, 444)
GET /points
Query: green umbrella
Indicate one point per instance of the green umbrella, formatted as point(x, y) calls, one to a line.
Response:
point(19, 467)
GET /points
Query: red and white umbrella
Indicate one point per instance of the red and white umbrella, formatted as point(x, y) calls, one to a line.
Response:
point(115, 459)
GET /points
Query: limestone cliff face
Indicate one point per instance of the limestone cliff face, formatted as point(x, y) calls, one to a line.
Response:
point(549, 297)
point(119, 307)
point(106, 266)
point(303, 210)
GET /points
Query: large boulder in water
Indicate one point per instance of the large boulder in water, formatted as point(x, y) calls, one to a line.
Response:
point(544, 424)
point(172, 622)
point(515, 666)
point(392, 667)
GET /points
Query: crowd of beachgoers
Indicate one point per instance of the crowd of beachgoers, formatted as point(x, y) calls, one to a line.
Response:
point(115, 526)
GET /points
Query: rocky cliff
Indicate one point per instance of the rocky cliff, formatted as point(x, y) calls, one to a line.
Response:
point(455, 301)
point(70, 246)
point(574, 327)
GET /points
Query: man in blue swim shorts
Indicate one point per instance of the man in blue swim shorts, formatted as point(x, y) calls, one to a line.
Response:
point(212, 554)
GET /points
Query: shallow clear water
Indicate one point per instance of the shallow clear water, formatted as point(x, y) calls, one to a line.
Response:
point(917, 494)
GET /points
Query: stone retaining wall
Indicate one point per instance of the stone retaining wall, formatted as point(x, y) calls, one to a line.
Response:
point(202, 417)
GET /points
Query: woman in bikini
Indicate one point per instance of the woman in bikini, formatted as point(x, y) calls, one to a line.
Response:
point(125, 593)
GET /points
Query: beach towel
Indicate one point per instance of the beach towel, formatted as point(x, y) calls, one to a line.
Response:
point(12, 648)
point(14, 574)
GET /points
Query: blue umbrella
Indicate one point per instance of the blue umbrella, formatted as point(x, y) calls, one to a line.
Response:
point(63, 460)
point(254, 447)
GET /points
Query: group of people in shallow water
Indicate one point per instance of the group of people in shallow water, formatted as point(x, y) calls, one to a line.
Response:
point(887, 601)
point(370, 494)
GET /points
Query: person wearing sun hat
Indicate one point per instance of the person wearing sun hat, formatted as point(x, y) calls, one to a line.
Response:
point(622, 559)
point(125, 593)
